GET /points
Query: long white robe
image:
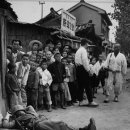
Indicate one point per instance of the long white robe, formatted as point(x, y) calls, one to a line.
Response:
point(118, 68)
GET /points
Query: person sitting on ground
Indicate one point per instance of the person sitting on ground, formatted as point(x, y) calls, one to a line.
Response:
point(27, 118)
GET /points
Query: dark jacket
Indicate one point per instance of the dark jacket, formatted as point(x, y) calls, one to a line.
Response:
point(33, 80)
point(57, 70)
point(12, 84)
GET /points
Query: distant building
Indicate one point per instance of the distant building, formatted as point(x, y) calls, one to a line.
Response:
point(85, 13)
point(53, 21)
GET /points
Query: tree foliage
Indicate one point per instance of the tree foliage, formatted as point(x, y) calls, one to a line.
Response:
point(122, 15)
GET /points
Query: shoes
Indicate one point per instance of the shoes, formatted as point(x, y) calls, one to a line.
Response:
point(81, 103)
point(49, 108)
point(116, 99)
point(91, 125)
point(106, 100)
point(63, 107)
point(55, 107)
point(93, 104)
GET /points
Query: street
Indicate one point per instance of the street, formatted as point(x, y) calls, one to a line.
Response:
point(111, 116)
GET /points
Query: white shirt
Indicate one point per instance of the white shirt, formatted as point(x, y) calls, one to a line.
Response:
point(92, 69)
point(98, 66)
point(24, 72)
point(46, 76)
point(16, 54)
point(117, 63)
point(81, 58)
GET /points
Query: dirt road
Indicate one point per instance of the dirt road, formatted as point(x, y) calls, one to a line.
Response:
point(111, 116)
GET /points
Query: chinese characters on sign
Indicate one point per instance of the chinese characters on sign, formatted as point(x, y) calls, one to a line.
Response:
point(68, 22)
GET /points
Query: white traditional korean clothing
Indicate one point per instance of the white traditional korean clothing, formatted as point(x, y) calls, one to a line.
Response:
point(118, 68)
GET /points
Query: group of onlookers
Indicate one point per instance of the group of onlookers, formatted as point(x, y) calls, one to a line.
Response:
point(58, 76)
point(42, 76)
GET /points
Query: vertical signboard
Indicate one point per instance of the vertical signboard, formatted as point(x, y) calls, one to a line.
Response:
point(68, 22)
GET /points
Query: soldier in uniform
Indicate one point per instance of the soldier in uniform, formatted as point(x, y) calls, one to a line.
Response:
point(27, 118)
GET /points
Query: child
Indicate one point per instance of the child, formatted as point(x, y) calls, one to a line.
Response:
point(44, 87)
point(22, 71)
point(73, 56)
point(38, 59)
point(32, 58)
point(13, 87)
point(93, 77)
point(72, 79)
point(32, 86)
point(64, 54)
point(57, 70)
point(100, 72)
point(66, 80)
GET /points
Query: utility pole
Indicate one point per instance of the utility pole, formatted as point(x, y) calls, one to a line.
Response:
point(41, 3)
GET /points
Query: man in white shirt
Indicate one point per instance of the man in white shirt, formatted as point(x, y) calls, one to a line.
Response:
point(83, 71)
point(117, 65)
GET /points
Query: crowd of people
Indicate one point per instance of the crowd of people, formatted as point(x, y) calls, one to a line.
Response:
point(56, 76)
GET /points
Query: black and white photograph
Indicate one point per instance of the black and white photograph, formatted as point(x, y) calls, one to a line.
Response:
point(64, 64)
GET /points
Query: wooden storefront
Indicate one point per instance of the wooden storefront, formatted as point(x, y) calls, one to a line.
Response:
point(25, 32)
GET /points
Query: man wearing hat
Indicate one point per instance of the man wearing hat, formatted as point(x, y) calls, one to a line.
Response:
point(83, 71)
point(27, 118)
point(34, 45)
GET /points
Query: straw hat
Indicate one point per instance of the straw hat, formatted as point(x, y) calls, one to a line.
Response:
point(17, 108)
point(37, 42)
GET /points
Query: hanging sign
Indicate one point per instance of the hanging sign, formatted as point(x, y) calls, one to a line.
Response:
point(68, 22)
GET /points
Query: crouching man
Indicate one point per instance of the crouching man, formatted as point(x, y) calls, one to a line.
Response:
point(28, 119)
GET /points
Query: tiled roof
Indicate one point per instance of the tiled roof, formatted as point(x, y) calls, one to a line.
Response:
point(53, 14)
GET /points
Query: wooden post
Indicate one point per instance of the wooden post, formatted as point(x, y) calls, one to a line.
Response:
point(3, 38)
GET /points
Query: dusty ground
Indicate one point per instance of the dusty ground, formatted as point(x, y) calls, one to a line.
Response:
point(112, 116)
